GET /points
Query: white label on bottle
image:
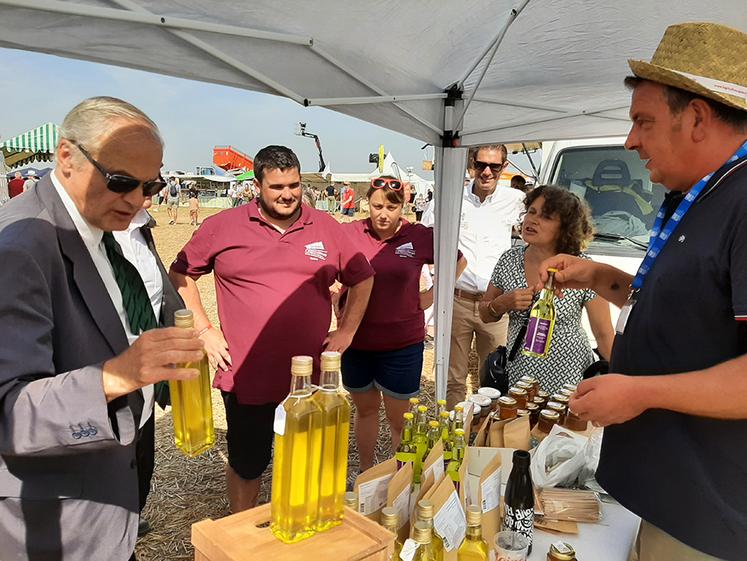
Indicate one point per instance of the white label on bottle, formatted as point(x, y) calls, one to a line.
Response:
point(402, 505)
point(408, 549)
point(561, 547)
point(491, 555)
point(437, 469)
point(491, 491)
point(519, 520)
point(279, 424)
point(372, 494)
point(450, 523)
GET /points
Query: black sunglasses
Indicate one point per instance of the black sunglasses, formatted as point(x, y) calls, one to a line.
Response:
point(495, 168)
point(122, 183)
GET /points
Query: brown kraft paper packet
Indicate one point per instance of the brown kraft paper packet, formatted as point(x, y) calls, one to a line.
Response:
point(489, 498)
point(371, 487)
point(517, 434)
point(398, 497)
point(449, 520)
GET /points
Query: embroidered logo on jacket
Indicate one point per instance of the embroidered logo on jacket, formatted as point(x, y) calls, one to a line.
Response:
point(405, 250)
point(316, 251)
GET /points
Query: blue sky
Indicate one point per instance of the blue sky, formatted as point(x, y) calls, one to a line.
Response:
point(193, 116)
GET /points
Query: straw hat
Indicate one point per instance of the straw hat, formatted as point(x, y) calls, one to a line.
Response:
point(707, 59)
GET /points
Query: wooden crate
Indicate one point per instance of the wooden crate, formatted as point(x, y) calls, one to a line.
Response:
point(246, 536)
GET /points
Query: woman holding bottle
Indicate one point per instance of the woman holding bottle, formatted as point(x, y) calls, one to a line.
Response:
point(556, 221)
point(385, 358)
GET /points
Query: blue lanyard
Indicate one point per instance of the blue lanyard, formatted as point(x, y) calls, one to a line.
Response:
point(660, 236)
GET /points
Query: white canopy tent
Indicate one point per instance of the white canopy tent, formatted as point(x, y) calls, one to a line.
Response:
point(453, 74)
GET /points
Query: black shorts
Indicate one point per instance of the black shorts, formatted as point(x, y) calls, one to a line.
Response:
point(249, 436)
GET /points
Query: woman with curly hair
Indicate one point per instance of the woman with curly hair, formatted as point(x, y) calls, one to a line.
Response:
point(556, 221)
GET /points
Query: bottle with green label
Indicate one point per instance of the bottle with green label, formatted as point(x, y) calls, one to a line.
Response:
point(541, 321)
point(406, 450)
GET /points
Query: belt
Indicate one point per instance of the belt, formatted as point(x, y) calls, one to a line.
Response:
point(465, 295)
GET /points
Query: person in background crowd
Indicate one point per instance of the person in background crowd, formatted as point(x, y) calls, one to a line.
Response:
point(347, 200)
point(519, 182)
point(556, 221)
point(420, 205)
point(274, 261)
point(15, 185)
point(163, 193)
point(172, 199)
point(331, 203)
point(385, 357)
point(84, 342)
point(674, 407)
point(488, 215)
point(30, 180)
point(194, 205)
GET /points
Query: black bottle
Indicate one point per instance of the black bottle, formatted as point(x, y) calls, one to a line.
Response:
point(519, 499)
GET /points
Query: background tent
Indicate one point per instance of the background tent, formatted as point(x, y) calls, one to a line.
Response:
point(452, 74)
point(36, 145)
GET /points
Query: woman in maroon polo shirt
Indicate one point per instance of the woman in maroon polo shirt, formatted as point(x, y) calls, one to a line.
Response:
point(386, 355)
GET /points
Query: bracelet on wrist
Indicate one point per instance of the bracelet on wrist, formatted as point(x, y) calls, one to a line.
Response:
point(204, 330)
point(492, 311)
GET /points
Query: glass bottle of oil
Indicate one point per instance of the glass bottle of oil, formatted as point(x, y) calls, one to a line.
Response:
point(414, 402)
point(406, 450)
point(191, 404)
point(441, 407)
point(474, 547)
point(434, 435)
point(458, 421)
point(445, 436)
point(425, 515)
point(541, 321)
point(351, 500)
point(423, 538)
point(297, 461)
point(335, 430)
point(457, 456)
point(390, 521)
point(420, 438)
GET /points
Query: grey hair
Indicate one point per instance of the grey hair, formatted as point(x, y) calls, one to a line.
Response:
point(93, 119)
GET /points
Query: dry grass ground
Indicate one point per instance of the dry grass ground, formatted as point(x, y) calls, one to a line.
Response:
point(187, 490)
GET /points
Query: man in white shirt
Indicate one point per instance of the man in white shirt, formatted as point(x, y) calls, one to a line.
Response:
point(488, 215)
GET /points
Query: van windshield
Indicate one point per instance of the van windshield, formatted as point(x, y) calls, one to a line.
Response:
point(616, 184)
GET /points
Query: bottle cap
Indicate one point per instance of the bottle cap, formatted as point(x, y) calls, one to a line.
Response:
point(302, 366)
point(351, 500)
point(389, 516)
point(555, 406)
point(425, 509)
point(492, 393)
point(422, 532)
point(551, 270)
point(533, 408)
point(459, 432)
point(408, 416)
point(481, 400)
point(560, 398)
point(184, 318)
point(572, 387)
point(433, 424)
point(474, 516)
point(459, 408)
point(331, 360)
point(517, 392)
point(550, 415)
point(422, 409)
point(441, 402)
point(414, 400)
point(507, 401)
point(561, 551)
point(522, 412)
point(521, 458)
point(444, 414)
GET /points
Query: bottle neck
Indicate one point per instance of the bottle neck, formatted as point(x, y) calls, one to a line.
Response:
point(550, 283)
point(300, 385)
point(474, 533)
point(330, 380)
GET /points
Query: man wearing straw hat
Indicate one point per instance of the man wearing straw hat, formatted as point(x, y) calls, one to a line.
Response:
point(676, 406)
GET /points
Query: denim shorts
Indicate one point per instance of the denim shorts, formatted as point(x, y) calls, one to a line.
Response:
point(395, 373)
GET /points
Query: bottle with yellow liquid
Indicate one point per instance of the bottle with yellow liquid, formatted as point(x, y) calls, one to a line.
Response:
point(297, 461)
point(335, 430)
point(425, 515)
point(390, 521)
point(423, 542)
point(191, 405)
point(441, 407)
point(434, 435)
point(457, 456)
point(420, 440)
point(541, 321)
point(405, 452)
point(445, 436)
point(474, 547)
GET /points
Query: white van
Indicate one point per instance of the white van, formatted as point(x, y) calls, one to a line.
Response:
point(616, 184)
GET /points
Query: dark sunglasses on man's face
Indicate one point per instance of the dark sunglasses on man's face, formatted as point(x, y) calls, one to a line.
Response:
point(495, 168)
point(119, 183)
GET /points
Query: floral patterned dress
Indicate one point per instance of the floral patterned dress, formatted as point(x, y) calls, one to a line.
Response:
point(570, 351)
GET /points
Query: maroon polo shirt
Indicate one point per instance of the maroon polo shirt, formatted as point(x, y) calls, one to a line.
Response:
point(15, 187)
point(272, 291)
point(393, 319)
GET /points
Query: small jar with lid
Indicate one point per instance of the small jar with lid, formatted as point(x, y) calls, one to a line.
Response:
point(540, 401)
point(547, 420)
point(523, 413)
point(560, 398)
point(544, 395)
point(571, 387)
point(483, 402)
point(507, 407)
point(527, 387)
point(561, 551)
point(493, 394)
point(519, 395)
point(534, 411)
point(559, 408)
point(574, 422)
point(566, 392)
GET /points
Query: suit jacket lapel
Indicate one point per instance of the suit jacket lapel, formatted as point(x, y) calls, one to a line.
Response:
point(86, 276)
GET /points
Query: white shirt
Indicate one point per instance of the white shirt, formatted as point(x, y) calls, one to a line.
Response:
point(92, 238)
point(484, 232)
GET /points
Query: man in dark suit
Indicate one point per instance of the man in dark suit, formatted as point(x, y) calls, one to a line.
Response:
point(78, 343)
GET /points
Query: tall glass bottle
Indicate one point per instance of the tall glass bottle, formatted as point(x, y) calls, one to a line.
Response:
point(406, 450)
point(390, 521)
point(423, 537)
point(191, 405)
point(445, 436)
point(541, 321)
point(335, 431)
point(425, 514)
point(458, 420)
point(519, 498)
point(457, 456)
point(420, 438)
point(414, 402)
point(474, 547)
point(434, 435)
point(441, 407)
point(297, 461)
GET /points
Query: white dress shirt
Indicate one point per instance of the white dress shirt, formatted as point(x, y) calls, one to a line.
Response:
point(484, 233)
point(92, 238)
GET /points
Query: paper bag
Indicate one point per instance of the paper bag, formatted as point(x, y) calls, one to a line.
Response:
point(495, 433)
point(449, 520)
point(398, 497)
point(426, 486)
point(434, 462)
point(371, 487)
point(517, 434)
point(482, 433)
point(489, 498)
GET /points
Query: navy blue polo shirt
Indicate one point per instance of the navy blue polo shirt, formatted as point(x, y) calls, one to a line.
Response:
point(687, 475)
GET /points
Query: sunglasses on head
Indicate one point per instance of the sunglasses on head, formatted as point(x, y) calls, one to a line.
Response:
point(495, 168)
point(119, 183)
point(381, 182)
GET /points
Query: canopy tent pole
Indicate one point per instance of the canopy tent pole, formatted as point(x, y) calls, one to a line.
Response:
point(451, 161)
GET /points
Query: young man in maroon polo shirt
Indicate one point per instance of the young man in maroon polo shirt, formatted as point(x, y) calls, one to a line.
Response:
point(274, 261)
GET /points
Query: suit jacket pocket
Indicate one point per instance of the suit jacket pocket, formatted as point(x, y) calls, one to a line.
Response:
point(38, 486)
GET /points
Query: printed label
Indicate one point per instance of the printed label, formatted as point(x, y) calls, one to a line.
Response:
point(372, 494)
point(405, 250)
point(450, 523)
point(408, 549)
point(278, 424)
point(316, 251)
point(402, 505)
point(562, 547)
point(437, 469)
point(537, 331)
point(519, 520)
point(491, 491)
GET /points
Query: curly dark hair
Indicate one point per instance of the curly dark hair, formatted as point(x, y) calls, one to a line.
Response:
point(576, 226)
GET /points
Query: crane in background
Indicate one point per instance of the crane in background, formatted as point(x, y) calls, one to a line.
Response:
point(302, 132)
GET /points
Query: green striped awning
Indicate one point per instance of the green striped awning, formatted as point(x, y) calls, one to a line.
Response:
point(35, 145)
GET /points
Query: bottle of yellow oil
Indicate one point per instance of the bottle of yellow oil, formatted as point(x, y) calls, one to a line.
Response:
point(425, 513)
point(297, 460)
point(335, 430)
point(191, 405)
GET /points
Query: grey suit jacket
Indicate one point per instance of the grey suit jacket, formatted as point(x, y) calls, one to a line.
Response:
point(68, 480)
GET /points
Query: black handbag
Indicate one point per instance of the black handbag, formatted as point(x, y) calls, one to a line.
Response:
point(493, 373)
